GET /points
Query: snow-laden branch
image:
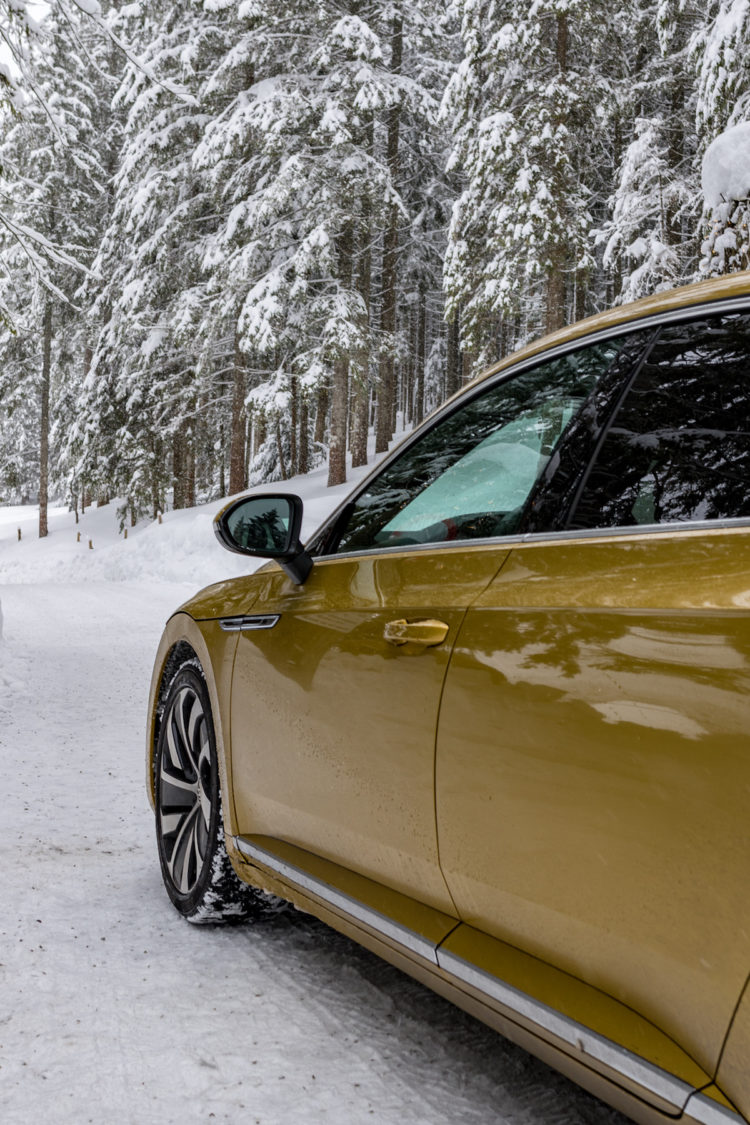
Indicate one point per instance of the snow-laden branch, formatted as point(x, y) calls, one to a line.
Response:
point(92, 9)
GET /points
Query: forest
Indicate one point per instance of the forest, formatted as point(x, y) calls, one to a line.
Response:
point(240, 236)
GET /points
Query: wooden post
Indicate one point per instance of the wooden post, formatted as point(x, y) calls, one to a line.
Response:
point(125, 533)
point(78, 537)
point(91, 544)
point(19, 535)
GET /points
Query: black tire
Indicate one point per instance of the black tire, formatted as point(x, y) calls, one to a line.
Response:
point(197, 873)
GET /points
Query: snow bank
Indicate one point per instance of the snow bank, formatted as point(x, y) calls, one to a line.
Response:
point(182, 549)
point(726, 166)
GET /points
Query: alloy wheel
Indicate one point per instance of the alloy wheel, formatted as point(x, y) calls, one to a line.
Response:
point(185, 790)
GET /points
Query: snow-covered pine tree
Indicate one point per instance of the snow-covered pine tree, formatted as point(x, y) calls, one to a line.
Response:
point(726, 194)
point(53, 182)
point(720, 50)
point(430, 57)
point(147, 388)
point(638, 249)
point(523, 106)
point(646, 232)
point(304, 160)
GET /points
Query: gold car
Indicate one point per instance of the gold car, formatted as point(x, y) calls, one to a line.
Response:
point(493, 721)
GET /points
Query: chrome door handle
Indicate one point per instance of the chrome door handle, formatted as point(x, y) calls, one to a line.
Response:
point(426, 632)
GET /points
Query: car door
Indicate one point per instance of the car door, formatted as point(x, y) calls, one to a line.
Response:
point(593, 752)
point(334, 708)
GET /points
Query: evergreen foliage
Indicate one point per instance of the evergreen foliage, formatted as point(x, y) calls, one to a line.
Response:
point(244, 233)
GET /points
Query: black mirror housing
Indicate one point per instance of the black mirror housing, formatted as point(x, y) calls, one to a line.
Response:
point(267, 527)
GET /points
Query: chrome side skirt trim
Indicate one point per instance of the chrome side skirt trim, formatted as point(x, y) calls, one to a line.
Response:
point(242, 624)
point(351, 906)
point(584, 1042)
point(701, 1110)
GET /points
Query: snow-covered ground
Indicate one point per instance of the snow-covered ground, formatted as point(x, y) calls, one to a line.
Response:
point(114, 1010)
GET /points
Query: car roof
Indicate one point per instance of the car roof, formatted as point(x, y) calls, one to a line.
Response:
point(714, 289)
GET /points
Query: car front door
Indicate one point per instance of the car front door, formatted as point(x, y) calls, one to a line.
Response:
point(334, 708)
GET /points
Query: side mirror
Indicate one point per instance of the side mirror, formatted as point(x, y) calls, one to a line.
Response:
point(266, 527)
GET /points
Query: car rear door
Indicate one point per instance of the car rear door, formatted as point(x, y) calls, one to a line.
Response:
point(593, 751)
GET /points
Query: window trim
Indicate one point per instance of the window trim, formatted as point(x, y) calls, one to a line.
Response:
point(530, 538)
point(482, 385)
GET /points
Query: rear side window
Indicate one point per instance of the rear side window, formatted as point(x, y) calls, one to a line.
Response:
point(678, 448)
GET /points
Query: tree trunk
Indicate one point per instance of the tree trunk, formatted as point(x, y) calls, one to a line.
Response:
point(261, 432)
point(294, 422)
point(340, 385)
point(453, 358)
point(190, 470)
point(386, 371)
point(421, 357)
point(179, 467)
point(361, 403)
point(237, 479)
point(280, 451)
point(44, 424)
point(555, 287)
point(303, 448)
point(321, 412)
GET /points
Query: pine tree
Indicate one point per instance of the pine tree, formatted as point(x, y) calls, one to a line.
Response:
point(304, 161)
point(719, 49)
point(146, 383)
point(53, 183)
point(638, 248)
point(523, 104)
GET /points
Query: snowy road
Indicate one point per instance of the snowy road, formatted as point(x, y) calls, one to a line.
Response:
point(114, 1010)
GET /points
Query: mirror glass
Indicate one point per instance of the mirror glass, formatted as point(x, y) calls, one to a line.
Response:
point(262, 524)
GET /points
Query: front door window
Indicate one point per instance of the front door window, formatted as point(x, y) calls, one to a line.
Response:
point(471, 474)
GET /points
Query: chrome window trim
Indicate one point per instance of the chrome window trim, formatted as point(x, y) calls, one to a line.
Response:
point(676, 527)
point(701, 1110)
point(532, 537)
point(584, 1042)
point(484, 383)
point(246, 622)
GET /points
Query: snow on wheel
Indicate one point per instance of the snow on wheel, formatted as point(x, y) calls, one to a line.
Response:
point(195, 867)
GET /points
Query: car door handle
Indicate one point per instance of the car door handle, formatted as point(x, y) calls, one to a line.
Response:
point(426, 632)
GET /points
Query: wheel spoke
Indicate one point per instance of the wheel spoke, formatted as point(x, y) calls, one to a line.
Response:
point(178, 713)
point(194, 726)
point(178, 862)
point(176, 782)
point(175, 757)
point(204, 778)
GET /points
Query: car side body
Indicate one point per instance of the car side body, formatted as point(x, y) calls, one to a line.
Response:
point(540, 808)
